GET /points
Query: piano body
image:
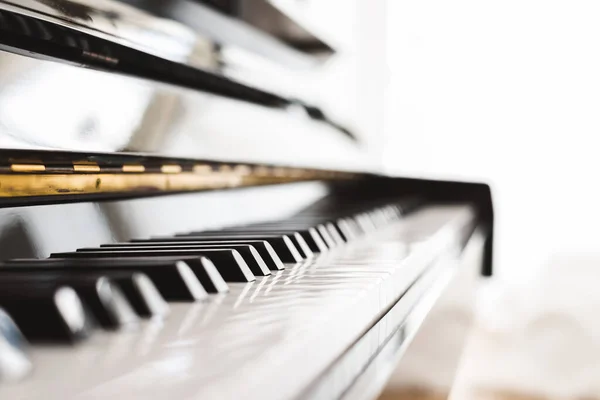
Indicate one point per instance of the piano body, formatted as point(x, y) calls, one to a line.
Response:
point(181, 217)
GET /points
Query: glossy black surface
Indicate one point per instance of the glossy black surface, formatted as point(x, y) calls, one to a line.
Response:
point(41, 230)
point(100, 294)
point(248, 252)
point(229, 263)
point(45, 311)
point(302, 240)
point(283, 245)
point(239, 23)
point(265, 250)
point(142, 294)
point(265, 16)
point(167, 75)
point(173, 278)
point(312, 233)
point(31, 36)
point(109, 293)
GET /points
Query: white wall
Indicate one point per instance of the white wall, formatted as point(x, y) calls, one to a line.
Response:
point(350, 86)
point(509, 92)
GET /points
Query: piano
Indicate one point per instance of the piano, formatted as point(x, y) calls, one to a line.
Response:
point(185, 214)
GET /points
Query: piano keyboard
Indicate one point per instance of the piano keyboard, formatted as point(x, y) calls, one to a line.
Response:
point(114, 282)
point(193, 314)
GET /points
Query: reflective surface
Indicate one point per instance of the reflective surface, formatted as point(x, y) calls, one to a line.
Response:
point(123, 24)
point(233, 346)
point(149, 89)
point(14, 360)
point(52, 105)
point(430, 364)
point(37, 231)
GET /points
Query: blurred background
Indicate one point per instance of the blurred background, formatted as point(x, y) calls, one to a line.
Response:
point(509, 92)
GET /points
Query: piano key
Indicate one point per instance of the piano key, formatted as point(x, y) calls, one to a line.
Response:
point(335, 233)
point(382, 216)
point(207, 273)
point(355, 226)
point(263, 247)
point(365, 222)
point(285, 249)
point(173, 277)
point(347, 230)
point(311, 236)
point(104, 299)
point(396, 211)
point(296, 237)
point(379, 218)
point(325, 234)
point(320, 224)
point(142, 294)
point(14, 358)
point(248, 252)
point(138, 289)
point(229, 263)
point(326, 237)
point(45, 312)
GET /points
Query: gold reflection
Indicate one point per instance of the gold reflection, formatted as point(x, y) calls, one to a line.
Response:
point(171, 169)
point(134, 168)
point(202, 169)
point(87, 179)
point(86, 167)
point(27, 168)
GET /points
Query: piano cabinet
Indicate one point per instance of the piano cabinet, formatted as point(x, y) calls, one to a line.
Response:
point(178, 223)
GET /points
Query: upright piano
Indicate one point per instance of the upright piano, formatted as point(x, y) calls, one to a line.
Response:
point(184, 216)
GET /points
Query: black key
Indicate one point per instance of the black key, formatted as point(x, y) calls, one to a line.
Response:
point(229, 263)
point(323, 228)
point(45, 312)
point(142, 294)
point(333, 227)
point(263, 247)
point(207, 273)
point(330, 234)
point(248, 252)
point(105, 300)
point(173, 277)
point(310, 235)
point(299, 243)
point(282, 244)
point(320, 236)
point(14, 361)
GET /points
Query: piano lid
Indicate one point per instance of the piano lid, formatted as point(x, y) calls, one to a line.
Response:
point(154, 85)
point(256, 25)
point(171, 28)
